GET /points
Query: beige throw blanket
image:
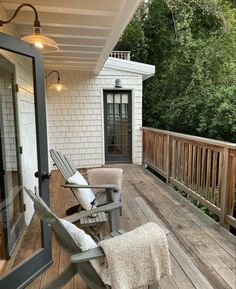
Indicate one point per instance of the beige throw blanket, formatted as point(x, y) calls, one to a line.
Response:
point(137, 258)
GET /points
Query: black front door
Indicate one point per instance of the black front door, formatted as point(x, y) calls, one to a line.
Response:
point(118, 125)
point(11, 195)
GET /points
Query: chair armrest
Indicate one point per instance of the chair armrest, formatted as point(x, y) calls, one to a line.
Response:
point(87, 255)
point(104, 186)
point(106, 208)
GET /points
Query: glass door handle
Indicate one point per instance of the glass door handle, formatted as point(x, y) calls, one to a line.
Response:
point(44, 175)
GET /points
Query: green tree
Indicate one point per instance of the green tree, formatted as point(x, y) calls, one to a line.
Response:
point(192, 45)
point(133, 39)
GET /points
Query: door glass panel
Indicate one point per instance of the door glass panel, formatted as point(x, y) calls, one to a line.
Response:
point(125, 98)
point(110, 98)
point(20, 228)
point(117, 98)
point(109, 110)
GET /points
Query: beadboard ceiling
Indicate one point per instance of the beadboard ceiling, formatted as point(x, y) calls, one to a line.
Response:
point(86, 30)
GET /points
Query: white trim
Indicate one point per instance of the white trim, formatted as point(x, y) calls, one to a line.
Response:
point(133, 126)
point(103, 128)
point(146, 70)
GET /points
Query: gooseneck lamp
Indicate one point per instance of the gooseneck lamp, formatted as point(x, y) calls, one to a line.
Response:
point(43, 43)
point(57, 86)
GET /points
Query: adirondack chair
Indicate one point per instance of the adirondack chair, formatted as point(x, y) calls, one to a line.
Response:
point(111, 192)
point(79, 260)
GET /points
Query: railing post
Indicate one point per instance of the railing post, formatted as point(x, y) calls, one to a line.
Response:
point(168, 159)
point(223, 198)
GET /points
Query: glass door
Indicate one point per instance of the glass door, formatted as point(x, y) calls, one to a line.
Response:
point(25, 242)
point(12, 210)
point(118, 126)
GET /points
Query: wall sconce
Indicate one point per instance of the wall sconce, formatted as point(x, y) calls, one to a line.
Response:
point(118, 83)
point(43, 43)
point(56, 86)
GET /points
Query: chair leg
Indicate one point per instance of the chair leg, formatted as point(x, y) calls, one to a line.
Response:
point(153, 286)
point(113, 216)
point(63, 278)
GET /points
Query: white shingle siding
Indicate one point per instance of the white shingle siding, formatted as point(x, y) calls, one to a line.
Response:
point(75, 116)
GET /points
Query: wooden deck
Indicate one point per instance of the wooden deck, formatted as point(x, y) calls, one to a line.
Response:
point(202, 252)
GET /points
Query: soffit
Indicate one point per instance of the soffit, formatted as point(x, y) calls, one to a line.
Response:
point(86, 31)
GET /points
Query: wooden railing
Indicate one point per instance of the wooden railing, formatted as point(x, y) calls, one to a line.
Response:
point(121, 54)
point(203, 168)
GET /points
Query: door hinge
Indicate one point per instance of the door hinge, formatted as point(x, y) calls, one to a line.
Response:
point(21, 150)
point(24, 207)
point(17, 87)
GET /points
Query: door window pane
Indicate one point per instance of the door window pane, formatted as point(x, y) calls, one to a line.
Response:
point(125, 98)
point(117, 110)
point(117, 98)
point(109, 109)
point(110, 98)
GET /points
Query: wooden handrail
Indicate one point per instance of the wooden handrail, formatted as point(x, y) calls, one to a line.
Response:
point(192, 138)
point(203, 168)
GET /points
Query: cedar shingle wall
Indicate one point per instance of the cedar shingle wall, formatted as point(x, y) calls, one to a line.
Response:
point(75, 116)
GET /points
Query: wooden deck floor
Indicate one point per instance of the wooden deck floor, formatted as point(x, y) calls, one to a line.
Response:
point(202, 252)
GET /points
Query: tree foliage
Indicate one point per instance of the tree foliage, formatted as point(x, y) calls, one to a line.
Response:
point(133, 39)
point(192, 45)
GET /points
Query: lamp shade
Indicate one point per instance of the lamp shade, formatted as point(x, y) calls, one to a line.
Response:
point(118, 83)
point(43, 43)
point(58, 87)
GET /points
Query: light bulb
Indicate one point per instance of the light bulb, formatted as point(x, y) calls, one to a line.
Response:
point(58, 87)
point(38, 45)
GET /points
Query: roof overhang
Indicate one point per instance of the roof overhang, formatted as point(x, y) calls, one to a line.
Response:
point(86, 31)
point(146, 70)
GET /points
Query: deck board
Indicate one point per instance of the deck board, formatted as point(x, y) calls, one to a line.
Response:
point(202, 252)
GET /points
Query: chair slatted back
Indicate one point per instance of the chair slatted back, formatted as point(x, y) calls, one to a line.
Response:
point(85, 269)
point(63, 164)
point(45, 214)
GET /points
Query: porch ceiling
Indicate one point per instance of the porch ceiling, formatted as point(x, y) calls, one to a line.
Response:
point(86, 31)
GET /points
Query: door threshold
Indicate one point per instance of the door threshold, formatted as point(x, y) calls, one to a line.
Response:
point(120, 162)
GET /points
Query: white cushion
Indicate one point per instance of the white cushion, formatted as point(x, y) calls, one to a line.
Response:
point(83, 240)
point(84, 196)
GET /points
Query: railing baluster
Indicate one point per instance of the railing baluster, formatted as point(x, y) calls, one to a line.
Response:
point(194, 168)
point(220, 177)
point(121, 54)
point(198, 169)
point(214, 172)
point(168, 158)
point(223, 197)
point(203, 169)
point(231, 183)
point(189, 165)
point(208, 173)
